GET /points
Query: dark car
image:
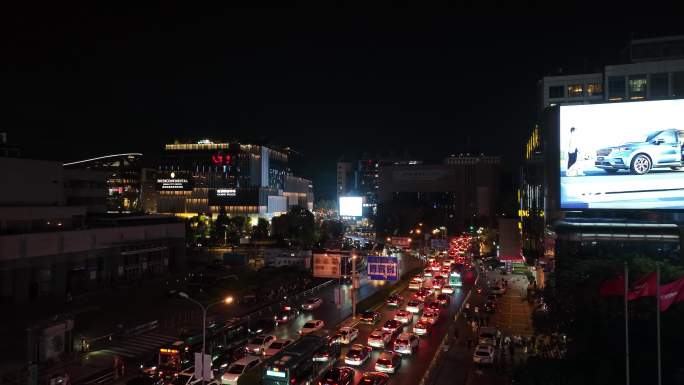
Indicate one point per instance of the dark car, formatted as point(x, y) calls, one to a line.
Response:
point(395, 300)
point(338, 376)
point(370, 317)
point(392, 326)
point(222, 360)
point(434, 305)
point(374, 378)
point(490, 307)
point(285, 315)
point(149, 366)
point(262, 326)
point(444, 299)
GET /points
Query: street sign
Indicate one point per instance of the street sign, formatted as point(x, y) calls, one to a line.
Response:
point(382, 268)
point(327, 265)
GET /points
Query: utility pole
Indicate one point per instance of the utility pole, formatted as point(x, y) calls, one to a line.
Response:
point(355, 283)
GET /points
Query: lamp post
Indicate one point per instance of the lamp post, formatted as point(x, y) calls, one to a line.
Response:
point(228, 300)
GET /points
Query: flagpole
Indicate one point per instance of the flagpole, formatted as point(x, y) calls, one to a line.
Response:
point(658, 320)
point(627, 326)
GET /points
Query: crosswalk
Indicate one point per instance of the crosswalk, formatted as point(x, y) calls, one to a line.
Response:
point(140, 345)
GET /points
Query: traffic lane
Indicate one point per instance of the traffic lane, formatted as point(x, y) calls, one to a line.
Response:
point(413, 366)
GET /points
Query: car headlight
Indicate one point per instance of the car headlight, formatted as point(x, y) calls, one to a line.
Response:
point(624, 148)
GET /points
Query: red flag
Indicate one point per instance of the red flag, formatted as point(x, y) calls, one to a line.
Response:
point(615, 286)
point(671, 293)
point(644, 287)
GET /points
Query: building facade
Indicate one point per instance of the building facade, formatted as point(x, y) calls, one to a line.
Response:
point(242, 179)
point(123, 182)
point(56, 240)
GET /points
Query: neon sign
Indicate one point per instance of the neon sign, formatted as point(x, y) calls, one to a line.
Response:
point(220, 159)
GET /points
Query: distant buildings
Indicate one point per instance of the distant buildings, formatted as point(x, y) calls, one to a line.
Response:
point(242, 179)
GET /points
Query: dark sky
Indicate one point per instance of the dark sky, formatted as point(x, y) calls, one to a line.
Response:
point(92, 81)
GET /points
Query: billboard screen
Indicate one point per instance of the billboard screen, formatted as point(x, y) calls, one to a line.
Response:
point(622, 155)
point(351, 206)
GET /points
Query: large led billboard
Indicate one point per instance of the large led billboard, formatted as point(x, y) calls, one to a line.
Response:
point(351, 206)
point(622, 155)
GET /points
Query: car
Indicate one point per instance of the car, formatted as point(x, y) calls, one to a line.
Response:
point(338, 376)
point(422, 328)
point(149, 366)
point(487, 336)
point(434, 305)
point(403, 316)
point(285, 315)
point(277, 346)
point(357, 355)
point(379, 338)
point(447, 289)
point(483, 354)
point(370, 317)
point(262, 326)
point(395, 300)
point(346, 335)
point(430, 316)
point(489, 307)
point(498, 290)
point(392, 326)
point(444, 299)
point(491, 297)
point(426, 291)
point(238, 368)
point(418, 277)
point(225, 357)
point(312, 303)
point(657, 149)
point(311, 326)
point(388, 362)
point(415, 284)
point(258, 344)
point(406, 343)
point(374, 378)
point(414, 306)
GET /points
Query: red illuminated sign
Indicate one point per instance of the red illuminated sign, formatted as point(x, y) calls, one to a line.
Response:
point(220, 159)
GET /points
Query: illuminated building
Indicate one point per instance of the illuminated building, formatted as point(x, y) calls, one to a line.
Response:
point(123, 180)
point(242, 179)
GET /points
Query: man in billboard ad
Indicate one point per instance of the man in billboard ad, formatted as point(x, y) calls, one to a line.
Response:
point(622, 155)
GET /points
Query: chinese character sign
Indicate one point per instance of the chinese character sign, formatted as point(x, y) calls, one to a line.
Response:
point(326, 265)
point(382, 268)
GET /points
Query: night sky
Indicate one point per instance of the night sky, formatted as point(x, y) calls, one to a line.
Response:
point(92, 81)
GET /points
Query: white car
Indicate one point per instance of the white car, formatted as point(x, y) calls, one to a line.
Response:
point(447, 289)
point(406, 343)
point(277, 346)
point(312, 326)
point(312, 303)
point(357, 355)
point(430, 316)
point(415, 284)
point(259, 344)
point(238, 368)
point(487, 336)
point(414, 306)
point(403, 316)
point(484, 354)
point(388, 362)
point(347, 335)
point(379, 338)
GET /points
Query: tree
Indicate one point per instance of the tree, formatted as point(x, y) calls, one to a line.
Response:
point(260, 231)
point(297, 225)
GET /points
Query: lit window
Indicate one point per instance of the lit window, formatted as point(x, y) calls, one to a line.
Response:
point(575, 90)
point(594, 89)
point(637, 86)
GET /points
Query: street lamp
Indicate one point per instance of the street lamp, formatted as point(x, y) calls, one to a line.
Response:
point(228, 300)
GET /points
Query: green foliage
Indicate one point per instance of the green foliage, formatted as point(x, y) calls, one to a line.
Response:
point(297, 226)
point(260, 231)
point(330, 230)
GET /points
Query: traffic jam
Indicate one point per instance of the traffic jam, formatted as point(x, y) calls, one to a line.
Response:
point(393, 342)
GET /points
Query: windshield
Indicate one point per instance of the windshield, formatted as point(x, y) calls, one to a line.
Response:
point(482, 353)
point(368, 314)
point(276, 345)
point(403, 342)
point(487, 335)
point(313, 300)
point(412, 303)
point(652, 135)
point(384, 361)
point(310, 325)
point(236, 369)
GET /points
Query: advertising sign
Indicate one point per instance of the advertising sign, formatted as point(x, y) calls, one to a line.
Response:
point(234, 197)
point(404, 242)
point(382, 268)
point(351, 206)
point(327, 265)
point(622, 155)
point(175, 181)
point(439, 243)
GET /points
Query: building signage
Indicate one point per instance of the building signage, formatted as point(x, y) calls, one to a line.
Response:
point(382, 268)
point(225, 192)
point(234, 197)
point(175, 182)
point(220, 159)
point(404, 242)
point(326, 265)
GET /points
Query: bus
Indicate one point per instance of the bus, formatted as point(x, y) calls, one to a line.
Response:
point(295, 365)
point(179, 356)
